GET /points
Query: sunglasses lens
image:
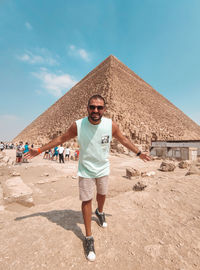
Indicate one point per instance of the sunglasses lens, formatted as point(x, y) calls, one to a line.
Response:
point(99, 108)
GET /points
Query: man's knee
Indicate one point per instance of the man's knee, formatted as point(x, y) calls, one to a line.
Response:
point(87, 202)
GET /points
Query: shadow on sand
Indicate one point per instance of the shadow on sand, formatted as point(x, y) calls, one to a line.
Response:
point(67, 219)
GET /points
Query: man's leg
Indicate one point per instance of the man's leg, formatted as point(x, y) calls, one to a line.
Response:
point(100, 202)
point(87, 214)
point(89, 240)
point(102, 187)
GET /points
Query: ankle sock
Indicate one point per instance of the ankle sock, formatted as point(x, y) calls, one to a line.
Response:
point(89, 237)
point(100, 213)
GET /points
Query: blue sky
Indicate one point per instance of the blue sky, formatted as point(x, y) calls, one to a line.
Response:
point(47, 46)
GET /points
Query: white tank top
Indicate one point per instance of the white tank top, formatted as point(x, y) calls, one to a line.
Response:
point(94, 142)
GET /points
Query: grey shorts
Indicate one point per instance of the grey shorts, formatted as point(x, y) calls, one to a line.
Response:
point(87, 185)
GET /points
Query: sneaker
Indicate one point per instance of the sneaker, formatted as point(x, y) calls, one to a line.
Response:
point(101, 218)
point(89, 249)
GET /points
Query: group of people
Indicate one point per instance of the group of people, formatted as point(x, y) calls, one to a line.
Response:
point(4, 145)
point(21, 150)
point(58, 152)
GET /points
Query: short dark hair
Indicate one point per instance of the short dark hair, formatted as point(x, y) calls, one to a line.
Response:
point(96, 97)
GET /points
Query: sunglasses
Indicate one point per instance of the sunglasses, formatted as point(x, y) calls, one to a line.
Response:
point(93, 107)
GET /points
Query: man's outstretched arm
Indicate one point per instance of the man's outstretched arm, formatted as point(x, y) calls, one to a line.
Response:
point(68, 135)
point(127, 143)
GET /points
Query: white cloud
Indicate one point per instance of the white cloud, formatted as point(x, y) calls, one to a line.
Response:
point(79, 52)
point(42, 56)
point(28, 26)
point(84, 55)
point(11, 125)
point(55, 84)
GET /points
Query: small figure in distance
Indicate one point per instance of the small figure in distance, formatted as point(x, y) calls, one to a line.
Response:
point(26, 149)
point(61, 150)
point(67, 153)
point(55, 154)
point(19, 153)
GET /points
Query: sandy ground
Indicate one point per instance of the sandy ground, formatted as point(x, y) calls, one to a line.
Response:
point(157, 228)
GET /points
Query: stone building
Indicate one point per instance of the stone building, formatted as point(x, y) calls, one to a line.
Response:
point(141, 112)
point(181, 150)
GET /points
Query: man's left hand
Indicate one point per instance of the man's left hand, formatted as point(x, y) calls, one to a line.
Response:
point(145, 157)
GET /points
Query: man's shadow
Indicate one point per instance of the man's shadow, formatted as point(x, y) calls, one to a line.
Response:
point(68, 219)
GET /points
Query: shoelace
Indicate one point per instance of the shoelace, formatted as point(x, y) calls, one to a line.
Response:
point(90, 244)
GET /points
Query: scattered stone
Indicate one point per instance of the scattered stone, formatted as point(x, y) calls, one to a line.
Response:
point(15, 190)
point(167, 166)
point(193, 170)
point(42, 181)
point(183, 164)
point(147, 174)
point(139, 186)
point(74, 177)
point(132, 172)
point(15, 174)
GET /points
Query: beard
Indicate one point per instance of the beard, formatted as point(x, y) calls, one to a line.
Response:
point(95, 117)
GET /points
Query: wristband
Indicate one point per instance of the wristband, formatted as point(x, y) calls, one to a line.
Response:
point(39, 151)
point(139, 153)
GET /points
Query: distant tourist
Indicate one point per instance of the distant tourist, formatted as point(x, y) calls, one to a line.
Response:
point(1, 146)
point(61, 150)
point(76, 154)
point(94, 133)
point(67, 153)
point(50, 154)
point(19, 152)
point(26, 149)
point(55, 154)
point(46, 154)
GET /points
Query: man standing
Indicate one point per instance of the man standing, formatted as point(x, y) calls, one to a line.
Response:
point(94, 133)
point(67, 153)
point(61, 153)
point(19, 153)
point(1, 146)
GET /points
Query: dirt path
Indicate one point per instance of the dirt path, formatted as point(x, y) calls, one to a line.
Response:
point(158, 228)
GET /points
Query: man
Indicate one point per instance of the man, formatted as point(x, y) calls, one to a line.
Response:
point(67, 153)
point(1, 146)
point(55, 154)
point(61, 153)
point(94, 136)
point(19, 153)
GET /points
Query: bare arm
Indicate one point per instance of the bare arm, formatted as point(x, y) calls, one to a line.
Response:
point(126, 142)
point(68, 135)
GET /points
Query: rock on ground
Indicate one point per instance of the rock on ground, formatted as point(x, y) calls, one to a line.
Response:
point(132, 172)
point(193, 170)
point(15, 190)
point(167, 166)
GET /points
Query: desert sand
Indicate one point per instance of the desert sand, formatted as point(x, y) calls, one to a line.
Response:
point(157, 228)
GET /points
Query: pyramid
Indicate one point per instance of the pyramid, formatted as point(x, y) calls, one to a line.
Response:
point(141, 112)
